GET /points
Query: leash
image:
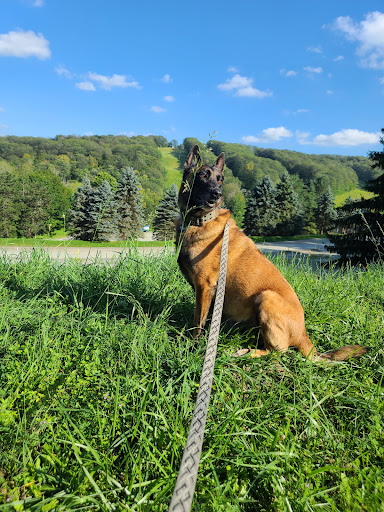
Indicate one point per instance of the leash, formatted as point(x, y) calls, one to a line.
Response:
point(186, 480)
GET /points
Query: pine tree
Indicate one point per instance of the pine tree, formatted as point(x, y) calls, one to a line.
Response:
point(166, 212)
point(362, 222)
point(128, 204)
point(79, 222)
point(309, 203)
point(325, 212)
point(260, 212)
point(102, 213)
point(289, 210)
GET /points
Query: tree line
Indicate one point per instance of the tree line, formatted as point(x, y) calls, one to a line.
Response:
point(44, 182)
point(106, 213)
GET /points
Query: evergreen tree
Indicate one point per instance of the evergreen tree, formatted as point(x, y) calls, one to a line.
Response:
point(128, 204)
point(260, 212)
point(309, 203)
point(289, 210)
point(102, 213)
point(166, 213)
point(80, 225)
point(362, 222)
point(10, 205)
point(325, 212)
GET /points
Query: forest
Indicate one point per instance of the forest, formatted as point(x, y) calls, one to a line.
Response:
point(39, 176)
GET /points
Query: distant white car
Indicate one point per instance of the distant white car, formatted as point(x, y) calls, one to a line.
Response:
point(145, 229)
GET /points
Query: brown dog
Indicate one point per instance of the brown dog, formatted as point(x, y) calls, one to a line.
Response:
point(256, 292)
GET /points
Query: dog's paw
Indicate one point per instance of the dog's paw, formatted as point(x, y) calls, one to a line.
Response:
point(196, 332)
point(241, 352)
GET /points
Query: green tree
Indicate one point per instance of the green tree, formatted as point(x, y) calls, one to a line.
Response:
point(290, 218)
point(101, 176)
point(325, 212)
point(260, 212)
point(10, 205)
point(166, 213)
point(102, 212)
point(79, 223)
point(362, 222)
point(128, 204)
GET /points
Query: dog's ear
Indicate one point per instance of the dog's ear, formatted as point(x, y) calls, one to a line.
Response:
point(220, 162)
point(193, 159)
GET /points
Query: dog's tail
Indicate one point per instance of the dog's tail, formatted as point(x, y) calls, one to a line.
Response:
point(342, 354)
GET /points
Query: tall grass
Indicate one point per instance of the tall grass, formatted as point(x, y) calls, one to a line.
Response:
point(99, 375)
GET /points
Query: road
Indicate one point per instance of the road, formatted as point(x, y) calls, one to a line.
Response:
point(313, 246)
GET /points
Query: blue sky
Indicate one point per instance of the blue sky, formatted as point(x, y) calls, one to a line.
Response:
point(305, 75)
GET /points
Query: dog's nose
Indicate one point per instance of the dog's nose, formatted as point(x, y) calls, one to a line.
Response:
point(216, 194)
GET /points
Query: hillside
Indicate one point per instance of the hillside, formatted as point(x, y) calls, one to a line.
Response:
point(69, 158)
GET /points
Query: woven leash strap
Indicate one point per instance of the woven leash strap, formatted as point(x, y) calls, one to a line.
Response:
point(186, 480)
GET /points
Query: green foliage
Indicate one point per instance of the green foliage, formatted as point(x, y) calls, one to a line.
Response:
point(260, 215)
point(290, 218)
point(73, 158)
point(104, 176)
point(32, 203)
point(103, 213)
point(128, 205)
point(361, 223)
point(99, 377)
point(80, 224)
point(165, 216)
point(325, 212)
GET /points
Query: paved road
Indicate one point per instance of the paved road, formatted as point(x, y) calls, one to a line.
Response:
point(314, 247)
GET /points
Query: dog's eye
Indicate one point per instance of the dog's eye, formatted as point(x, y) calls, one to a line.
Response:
point(220, 179)
point(202, 175)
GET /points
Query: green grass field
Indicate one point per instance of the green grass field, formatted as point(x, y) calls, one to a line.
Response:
point(357, 193)
point(99, 376)
point(171, 164)
point(54, 242)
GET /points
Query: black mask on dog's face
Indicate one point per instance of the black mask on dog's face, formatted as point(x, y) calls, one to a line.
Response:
point(201, 188)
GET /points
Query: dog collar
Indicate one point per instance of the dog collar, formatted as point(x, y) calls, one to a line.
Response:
point(199, 221)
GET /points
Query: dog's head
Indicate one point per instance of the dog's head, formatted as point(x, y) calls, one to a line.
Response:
point(201, 188)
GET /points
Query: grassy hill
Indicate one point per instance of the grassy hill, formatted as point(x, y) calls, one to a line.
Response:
point(356, 193)
point(171, 165)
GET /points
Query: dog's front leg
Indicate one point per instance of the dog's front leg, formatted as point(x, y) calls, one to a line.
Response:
point(204, 294)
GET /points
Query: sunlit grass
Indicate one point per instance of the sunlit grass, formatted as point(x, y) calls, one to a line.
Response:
point(357, 193)
point(99, 376)
point(171, 165)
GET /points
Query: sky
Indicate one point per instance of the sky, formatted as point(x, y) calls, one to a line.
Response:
point(304, 75)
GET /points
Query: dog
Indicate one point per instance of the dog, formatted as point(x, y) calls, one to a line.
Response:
point(256, 292)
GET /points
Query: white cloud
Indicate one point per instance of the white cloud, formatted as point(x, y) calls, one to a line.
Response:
point(158, 110)
point(315, 49)
point(288, 73)
point(381, 80)
point(329, 91)
point(339, 58)
point(302, 111)
point(311, 69)
point(108, 82)
point(369, 34)
point(60, 70)
point(24, 44)
point(268, 135)
point(348, 137)
point(242, 86)
point(1, 109)
point(169, 99)
point(232, 69)
point(86, 86)
point(38, 3)
point(166, 79)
